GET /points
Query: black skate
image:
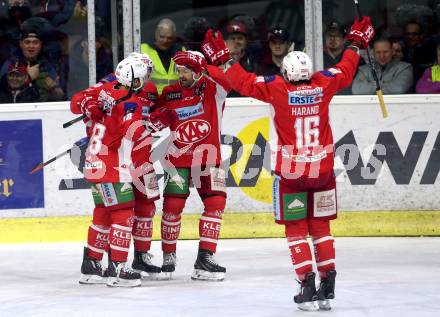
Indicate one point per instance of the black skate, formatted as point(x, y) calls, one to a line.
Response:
point(169, 264)
point(326, 290)
point(121, 275)
point(91, 270)
point(306, 298)
point(143, 265)
point(206, 268)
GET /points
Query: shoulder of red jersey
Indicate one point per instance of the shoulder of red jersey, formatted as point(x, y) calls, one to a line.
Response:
point(148, 94)
point(330, 72)
point(108, 79)
point(267, 79)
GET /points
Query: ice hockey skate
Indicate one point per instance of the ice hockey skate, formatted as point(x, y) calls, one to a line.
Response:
point(121, 275)
point(206, 269)
point(143, 265)
point(91, 270)
point(326, 290)
point(169, 265)
point(307, 296)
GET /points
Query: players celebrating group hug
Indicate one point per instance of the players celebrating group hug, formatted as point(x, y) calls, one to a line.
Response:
point(123, 112)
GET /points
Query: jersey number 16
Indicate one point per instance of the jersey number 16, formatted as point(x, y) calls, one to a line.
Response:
point(307, 131)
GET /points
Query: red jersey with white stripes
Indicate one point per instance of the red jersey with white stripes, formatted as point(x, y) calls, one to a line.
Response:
point(197, 131)
point(112, 139)
point(300, 114)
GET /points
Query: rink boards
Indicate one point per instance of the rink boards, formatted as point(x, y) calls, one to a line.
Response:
point(381, 164)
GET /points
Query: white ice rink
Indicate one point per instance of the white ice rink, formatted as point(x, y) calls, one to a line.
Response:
point(392, 277)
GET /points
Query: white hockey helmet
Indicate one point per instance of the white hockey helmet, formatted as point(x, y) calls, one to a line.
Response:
point(296, 66)
point(130, 68)
point(144, 58)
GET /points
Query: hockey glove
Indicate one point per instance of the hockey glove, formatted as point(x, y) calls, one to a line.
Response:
point(195, 62)
point(361, 32)
point(92, 108)
point(215, 49)
point(160, 119)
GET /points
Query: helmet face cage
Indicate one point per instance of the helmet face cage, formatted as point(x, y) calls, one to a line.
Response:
point(296, 66)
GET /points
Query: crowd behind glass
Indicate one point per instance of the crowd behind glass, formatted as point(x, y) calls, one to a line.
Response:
point(44, 51)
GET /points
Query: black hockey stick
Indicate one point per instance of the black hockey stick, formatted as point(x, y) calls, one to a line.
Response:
point(373, 71)
point(128, 96)
point(39, 166)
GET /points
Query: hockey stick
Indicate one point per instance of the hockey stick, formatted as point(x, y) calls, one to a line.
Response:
point(39, 166)
point(128, 96)
point(373, 71)
point(82, 142)
point(78, 143)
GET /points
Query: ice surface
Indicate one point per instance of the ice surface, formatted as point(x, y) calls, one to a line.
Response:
point(376, 277)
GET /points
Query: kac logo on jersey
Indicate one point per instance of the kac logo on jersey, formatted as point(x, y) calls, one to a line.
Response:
point(191, 111)
point(192, 131)
point(296, 99)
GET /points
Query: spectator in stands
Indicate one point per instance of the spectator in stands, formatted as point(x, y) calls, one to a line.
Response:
point(79, 58)
point(398, 47)
point(417, 52)
point(279, 45)
point(237, 42)
point(38, 67)
point(56, 12)
point(334, 44)
point(194, 32)
point(396, 77)
point(161, 53)
point(429, 83)
point(16, 86)
point(12, 15)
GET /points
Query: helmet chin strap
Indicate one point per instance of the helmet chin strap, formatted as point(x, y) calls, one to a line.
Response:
point(196, 79)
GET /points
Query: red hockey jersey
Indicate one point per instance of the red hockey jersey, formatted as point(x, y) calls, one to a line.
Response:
point(110, 156)
point(303, 144)
point(196, 133)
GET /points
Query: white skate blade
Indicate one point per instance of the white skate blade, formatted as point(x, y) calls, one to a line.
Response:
point(166, 276)
point(92, 279)
point(115, 282)
point(148, 276)
point(308, 306)
point(202, 275)
point(324, 304)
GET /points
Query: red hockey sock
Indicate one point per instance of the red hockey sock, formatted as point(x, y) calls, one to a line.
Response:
point(211, 222)
point(120, 234)
point(143, 226)
point(170, 224)
point(170, 230)
point(324, 254)
point(324, 245)
point(209, 230)
point(300, 252)
point(97, 241)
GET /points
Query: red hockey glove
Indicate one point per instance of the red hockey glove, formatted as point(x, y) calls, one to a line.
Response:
point(92, 108)
point(160, 119)
point(191, 60)
point(361, 32)
point(215, 49)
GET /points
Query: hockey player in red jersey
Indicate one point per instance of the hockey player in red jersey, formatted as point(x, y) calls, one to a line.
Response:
point(198, 99)
point(118, 165)
point(304, 186)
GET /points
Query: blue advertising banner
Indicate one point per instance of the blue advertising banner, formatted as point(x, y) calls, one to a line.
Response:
point(21, 148)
